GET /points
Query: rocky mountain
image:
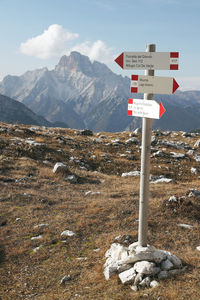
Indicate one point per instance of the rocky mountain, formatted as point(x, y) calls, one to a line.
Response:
point(12, 111)
point(89, 95)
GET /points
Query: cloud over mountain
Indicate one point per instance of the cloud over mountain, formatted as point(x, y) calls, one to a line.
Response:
point(51, 43)
point(57, 41)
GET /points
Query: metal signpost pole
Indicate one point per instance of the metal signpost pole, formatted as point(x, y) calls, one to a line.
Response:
point(145, 166)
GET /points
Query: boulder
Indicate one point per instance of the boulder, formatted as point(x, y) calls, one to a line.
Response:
point(145, 267)
point(128, 277)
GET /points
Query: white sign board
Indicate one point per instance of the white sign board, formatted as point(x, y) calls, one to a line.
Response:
point(145, 108)
point(148, 60)
point(153, 84)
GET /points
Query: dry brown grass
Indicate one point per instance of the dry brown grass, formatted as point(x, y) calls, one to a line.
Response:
point(31, 194)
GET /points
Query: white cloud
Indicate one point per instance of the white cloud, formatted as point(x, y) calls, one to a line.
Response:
point(51, 43)
point(95, 51)
point(57, 41)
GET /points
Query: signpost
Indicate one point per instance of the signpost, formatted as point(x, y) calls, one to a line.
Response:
point(147, 109)
point(148, 61)
point(153, 84)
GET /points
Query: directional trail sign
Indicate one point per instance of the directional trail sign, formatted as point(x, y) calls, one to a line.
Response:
point(148, 61)
point(145, 108)
point(153, 84)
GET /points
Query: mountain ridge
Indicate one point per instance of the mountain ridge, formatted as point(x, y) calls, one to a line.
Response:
point(87, 94)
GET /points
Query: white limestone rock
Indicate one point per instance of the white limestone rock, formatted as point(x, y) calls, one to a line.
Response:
point(188, 226)
point(148, 248)
point(37, 249)
point(59, 167)
point(194, 171)
point(154, 284)
point(132, 247)
point(172, 199)
point(177, 155)
point(145, 282)
point(144, 267)
point(132, 173)
point(67, 233)
point(194, 193)
point(117, 252)
point(128, 277)
point(36, 237)
point(132, 140)
point(134, 288)
point(197, 144)
point(110, 270)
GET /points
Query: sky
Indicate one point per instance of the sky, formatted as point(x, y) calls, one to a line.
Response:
point(36, 33)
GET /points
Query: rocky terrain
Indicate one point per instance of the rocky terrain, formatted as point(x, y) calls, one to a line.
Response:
point(66, 196)
point(85, 94)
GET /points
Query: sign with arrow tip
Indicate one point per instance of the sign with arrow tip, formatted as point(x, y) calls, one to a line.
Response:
point(148, 61)
point(153, 84)
point(145, 108)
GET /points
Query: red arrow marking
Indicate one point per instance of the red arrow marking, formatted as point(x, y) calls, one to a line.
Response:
point(175, 85)
point(162, 110)
point(120, 60)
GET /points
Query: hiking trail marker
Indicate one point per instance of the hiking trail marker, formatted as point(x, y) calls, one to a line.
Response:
point(147, 109)
point(148, 61)
point(153, 84)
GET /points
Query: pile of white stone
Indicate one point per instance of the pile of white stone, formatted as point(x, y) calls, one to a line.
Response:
point(141, 266)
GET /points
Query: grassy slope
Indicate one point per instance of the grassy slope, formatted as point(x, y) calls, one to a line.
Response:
point(30, 191)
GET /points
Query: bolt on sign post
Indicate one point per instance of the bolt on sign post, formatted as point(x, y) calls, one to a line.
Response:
point(148, 109)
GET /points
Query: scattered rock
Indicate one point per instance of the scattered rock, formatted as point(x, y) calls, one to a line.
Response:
point(194, 171)
point(173, 199)
point(132, 140)
point(67, 233)
point(185, 226)
point(154, 284)
point(197, 144)
point(159, 179)
point(60, 168)
point(37, 249)
point(72, 178)
point(65, 279)
point(194, 193)
point(132, 173)
point(36, 237)
point(40, 225)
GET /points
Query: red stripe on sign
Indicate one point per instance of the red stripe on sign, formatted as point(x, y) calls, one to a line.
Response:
point(174, 54)
point(134, 77)
point(130, 101)
point(173, 67)
point(130, 112)
point(134, 90)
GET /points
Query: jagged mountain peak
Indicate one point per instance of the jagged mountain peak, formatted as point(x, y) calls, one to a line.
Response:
point(77, 62)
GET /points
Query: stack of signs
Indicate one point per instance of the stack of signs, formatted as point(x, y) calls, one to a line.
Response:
point(149, 84)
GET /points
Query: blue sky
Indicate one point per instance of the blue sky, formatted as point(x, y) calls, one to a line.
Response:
point(36, 33)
